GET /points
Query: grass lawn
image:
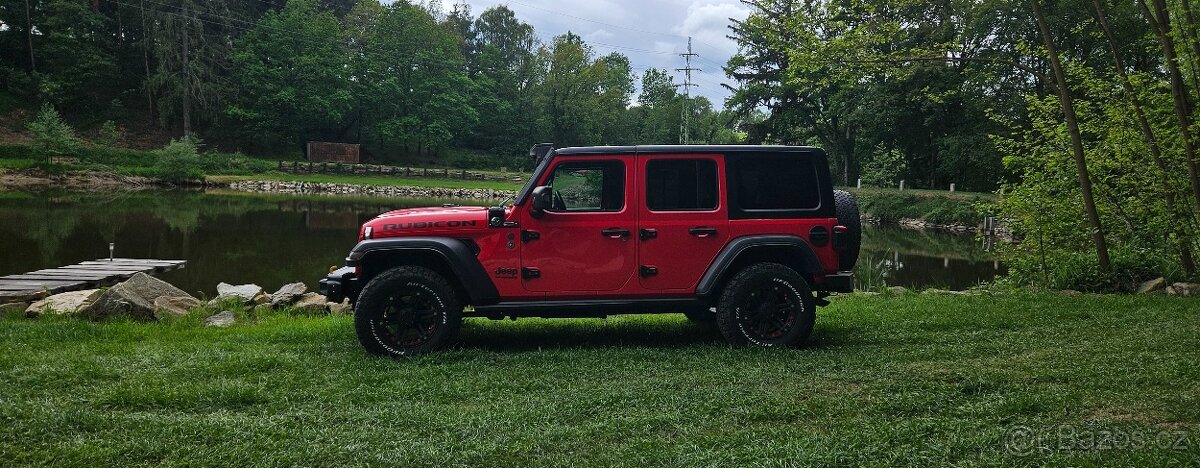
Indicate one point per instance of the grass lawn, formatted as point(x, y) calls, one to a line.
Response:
point(912, 380)
point(375, 180)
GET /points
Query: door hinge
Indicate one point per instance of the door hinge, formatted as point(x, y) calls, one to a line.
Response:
point(527, 235)
point(530, 273)
point(647, 270)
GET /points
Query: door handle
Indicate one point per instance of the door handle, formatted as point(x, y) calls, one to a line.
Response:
point(702, 231)
point(615, 233)
point(648, 233)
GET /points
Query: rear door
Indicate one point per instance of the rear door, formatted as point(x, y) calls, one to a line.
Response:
point(683, 220)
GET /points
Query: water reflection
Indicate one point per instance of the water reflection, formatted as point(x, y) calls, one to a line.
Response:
point(893, 256)
point(276, 239)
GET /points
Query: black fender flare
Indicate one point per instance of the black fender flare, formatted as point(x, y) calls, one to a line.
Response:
point(726, 258)
point(457, 254)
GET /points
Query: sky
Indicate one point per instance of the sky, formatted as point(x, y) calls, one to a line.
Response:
point(650, 32)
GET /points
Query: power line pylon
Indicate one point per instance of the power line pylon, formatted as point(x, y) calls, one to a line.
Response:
point(686, 108)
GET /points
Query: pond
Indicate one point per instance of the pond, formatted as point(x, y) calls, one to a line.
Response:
point(271, 240)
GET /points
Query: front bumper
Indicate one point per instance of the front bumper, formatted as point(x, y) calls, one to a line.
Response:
point(842, 281)
point(339, 285)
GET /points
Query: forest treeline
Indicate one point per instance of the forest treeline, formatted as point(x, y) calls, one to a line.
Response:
point(1080, 112)
point(398, 77)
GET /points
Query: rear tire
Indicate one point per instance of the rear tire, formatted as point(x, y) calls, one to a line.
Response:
point(406, 311)
point(766, 304)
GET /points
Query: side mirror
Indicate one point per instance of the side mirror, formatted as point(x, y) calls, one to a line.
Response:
point(541, 198)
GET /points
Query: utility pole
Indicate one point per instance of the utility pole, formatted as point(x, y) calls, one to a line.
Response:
point(686, 108)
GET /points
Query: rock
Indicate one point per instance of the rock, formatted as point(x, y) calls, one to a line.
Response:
point(288, 293)
point(1070, 292)
point(133, 298)
point(262, 298)
point(65, 303)
point(310, 303)
point(223, 319)
point(898, 289)
point(1187, 289)
point(866, 293)
point(1170, 290)
point(1152, 285)
point(340, 308)
point(177, 305)
point(942, 291)
point(247, 292)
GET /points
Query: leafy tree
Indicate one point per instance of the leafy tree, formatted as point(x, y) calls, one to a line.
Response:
point(291, 76)
point(51, 135)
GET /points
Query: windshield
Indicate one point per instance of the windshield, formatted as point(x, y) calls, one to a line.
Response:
point(529, 185)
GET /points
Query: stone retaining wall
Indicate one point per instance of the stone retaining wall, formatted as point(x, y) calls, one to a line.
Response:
point(269, 186)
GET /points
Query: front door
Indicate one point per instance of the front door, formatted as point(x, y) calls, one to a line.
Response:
point(683, 221)
point(585, 242)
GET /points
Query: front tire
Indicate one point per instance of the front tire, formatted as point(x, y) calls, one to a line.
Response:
point(406, 311)
point(766, 304)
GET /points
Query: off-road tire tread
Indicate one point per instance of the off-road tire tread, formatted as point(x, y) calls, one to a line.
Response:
point(377, 290)
point(848, 216)
point(742, 282)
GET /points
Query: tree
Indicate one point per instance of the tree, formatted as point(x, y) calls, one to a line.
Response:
point(191, 53)
point(291, 76)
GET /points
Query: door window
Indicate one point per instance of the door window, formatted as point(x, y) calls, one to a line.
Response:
point(588, 186)
point(681, 185)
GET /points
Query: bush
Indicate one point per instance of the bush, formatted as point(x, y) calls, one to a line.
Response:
point(108, 135)
point(1080, 270)
point(179, 161)
point(51, 135)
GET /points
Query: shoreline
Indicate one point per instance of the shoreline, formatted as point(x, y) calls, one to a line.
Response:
point(108, 182)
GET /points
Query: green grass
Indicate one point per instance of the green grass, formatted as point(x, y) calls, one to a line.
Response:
point(373, 180)
point(885, 380)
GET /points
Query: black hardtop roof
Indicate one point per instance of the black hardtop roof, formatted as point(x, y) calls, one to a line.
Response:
point(658, 149)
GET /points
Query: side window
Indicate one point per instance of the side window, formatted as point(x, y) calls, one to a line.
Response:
point(588, 186)
point(776, 182)
point(681, 185)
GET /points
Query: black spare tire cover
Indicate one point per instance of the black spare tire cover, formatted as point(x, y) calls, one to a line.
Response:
point(847, 215)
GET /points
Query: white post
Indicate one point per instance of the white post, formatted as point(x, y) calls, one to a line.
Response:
point(859, 183)
point(111, 247)
point(901, 184)
point(951, 187)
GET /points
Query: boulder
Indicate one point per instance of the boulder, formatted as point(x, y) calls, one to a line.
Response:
point(246, 292)
point(64, 303)
point(177, 305)
point(262, 298)
point(340, 308)
point(311, 303)
point(1187, 289)
point(288, 294)
point(223, 319)
point(1170, 290)
point(133, 298)
point(1152, 286)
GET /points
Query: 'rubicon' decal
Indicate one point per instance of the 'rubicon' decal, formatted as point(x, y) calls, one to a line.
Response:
point(427, 225)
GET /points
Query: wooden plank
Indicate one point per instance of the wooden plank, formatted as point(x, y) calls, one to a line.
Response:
point(28, 277)
point(21, 296)
point(138, 260)
point(133, 268)
point(82, 274)
point(17, 285)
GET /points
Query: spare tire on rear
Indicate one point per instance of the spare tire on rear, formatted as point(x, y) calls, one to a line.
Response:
point(847, 215)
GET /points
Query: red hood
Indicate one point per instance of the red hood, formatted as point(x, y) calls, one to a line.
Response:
point(426, 221)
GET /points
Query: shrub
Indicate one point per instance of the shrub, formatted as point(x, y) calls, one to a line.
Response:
point(51, 135)
point(108, 135)
point(1080, 270)
point(179, 161)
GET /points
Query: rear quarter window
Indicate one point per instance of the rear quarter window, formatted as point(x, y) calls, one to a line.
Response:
point(774, 185)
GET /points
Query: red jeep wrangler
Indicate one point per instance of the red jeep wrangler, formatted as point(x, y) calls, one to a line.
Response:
point(749, 237)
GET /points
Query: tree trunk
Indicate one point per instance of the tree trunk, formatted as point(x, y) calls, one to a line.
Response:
point(187, 82)
point(1068, 108)
point(1182, 238)
point(146, 59)
point(29, 38)
point(1161, 24)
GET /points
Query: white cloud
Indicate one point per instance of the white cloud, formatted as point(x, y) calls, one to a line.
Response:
point(709, 24)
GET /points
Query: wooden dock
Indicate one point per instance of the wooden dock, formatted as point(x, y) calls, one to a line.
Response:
point(85, 275)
